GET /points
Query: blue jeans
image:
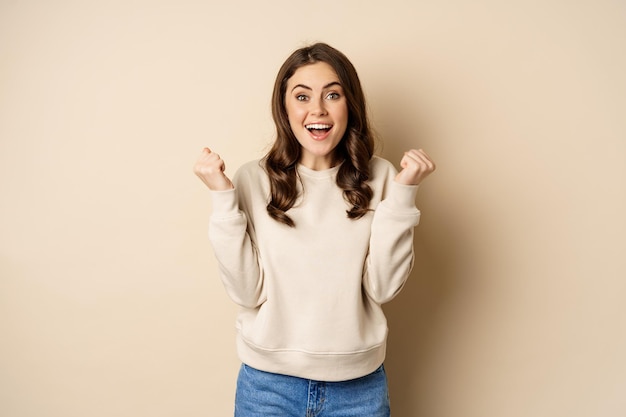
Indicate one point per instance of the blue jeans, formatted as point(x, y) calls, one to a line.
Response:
point(261, 394)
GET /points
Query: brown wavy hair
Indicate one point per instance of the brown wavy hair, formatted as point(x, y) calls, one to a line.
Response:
point(355, 149)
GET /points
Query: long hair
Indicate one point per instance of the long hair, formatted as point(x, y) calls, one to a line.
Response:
point(355, 148)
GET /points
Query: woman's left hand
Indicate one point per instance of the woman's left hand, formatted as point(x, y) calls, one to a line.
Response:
point(416, 165)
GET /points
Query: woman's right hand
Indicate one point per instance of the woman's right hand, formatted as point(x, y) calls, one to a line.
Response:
point(210, 169)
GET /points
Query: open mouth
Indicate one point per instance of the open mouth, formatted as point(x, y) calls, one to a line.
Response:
point(318, 129)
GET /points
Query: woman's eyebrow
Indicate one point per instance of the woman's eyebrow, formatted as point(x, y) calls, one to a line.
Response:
point(306, 87)
point(332, 84)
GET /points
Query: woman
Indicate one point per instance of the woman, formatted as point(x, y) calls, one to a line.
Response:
point(311, 240)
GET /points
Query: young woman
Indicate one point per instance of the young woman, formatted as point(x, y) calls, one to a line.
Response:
point(311, 240)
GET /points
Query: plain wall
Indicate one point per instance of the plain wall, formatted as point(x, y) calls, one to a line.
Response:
point(110, 303)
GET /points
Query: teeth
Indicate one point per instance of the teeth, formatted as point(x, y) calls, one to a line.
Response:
point(318, 126)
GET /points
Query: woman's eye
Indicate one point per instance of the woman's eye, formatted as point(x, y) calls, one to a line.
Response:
point(301, 97)
point(332, 96)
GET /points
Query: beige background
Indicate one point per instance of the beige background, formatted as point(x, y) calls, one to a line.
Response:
point(110, 304)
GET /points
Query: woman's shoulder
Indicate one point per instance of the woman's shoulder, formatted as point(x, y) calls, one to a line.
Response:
point(380, 166)
point(255, 165)
point(251, 172)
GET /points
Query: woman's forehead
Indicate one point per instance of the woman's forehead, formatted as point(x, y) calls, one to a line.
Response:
point(316, 75)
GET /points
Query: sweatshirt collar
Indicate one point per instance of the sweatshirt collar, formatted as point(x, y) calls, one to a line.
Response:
point(324, 173)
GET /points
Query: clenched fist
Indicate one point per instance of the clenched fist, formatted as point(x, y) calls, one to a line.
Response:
point(210, 169)
point(416, 165)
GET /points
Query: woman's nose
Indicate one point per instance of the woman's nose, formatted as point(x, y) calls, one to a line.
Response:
point(319, 107)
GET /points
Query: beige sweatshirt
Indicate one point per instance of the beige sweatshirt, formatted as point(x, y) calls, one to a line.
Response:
point(311, 296)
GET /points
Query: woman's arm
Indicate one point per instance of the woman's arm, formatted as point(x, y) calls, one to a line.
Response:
point(390, 258)
point(235, 251)
point(228, 233)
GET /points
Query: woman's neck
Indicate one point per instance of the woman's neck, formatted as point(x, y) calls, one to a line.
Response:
point(320, 163)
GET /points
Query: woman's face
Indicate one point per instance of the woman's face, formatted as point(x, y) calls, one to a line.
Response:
point(317, 112)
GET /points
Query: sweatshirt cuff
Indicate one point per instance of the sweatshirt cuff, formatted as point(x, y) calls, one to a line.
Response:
point(225, 202)
point(402, 196)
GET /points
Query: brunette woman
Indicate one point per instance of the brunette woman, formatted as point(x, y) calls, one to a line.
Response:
point(311, 240)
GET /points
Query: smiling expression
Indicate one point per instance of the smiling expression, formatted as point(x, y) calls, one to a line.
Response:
point(318, 113)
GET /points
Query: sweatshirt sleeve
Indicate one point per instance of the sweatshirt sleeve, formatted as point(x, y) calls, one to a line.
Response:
point(390, 258)
point(235, 251)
